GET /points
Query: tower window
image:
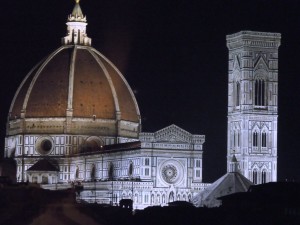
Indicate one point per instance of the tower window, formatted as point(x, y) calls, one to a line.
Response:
point(264, 139)
point(238, 138)
point(237, 94)
point(255, 139)
point(263, 177)
point(259, 97)
point(254, 178)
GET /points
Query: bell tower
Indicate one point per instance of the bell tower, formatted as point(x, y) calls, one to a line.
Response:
point(253, 104)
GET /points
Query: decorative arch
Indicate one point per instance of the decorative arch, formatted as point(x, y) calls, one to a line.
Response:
point(92, 144)
point(163, 199)
point(171, 196)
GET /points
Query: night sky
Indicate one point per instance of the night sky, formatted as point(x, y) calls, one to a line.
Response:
point(174, 56)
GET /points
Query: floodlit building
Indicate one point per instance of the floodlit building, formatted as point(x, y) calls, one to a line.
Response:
point(253, 103)
point(75, 122)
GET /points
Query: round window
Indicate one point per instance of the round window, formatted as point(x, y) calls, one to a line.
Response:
point(44, 145)
point(169, 173)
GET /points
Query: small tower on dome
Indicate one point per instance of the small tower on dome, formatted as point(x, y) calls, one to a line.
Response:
point(76, 27)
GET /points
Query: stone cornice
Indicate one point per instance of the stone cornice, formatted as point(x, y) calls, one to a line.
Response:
point(253, 39)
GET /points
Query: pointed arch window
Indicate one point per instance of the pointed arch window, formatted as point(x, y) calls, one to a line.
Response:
point(264, 139)
point(263, 176)
point(259, 92)
point(237, 94)
point(238, 138)
point(254, 176)
point(255, 139)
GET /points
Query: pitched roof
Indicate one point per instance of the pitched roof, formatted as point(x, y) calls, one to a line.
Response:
point(43, 165)
point(229, 183)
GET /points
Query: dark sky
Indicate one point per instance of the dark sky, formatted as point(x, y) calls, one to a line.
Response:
point(174, 56)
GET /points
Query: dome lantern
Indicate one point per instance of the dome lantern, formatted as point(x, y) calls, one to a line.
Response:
point(76, 28)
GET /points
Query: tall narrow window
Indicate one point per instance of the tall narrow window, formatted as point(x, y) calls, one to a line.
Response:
point(234, 141)
point(254, 178)
point(264, 139)
point(93, 172)
point(238, 138)
point(238, 89)
point(77, 173)
point(198, 163)
point(254, 139)
point(263, 177)
point(147, 162)
point(259, 97)
point(111, 171)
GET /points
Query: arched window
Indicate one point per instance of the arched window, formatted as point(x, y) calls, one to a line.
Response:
point(259, 97)
point(263, 177)
point(255, 139)
point(237, 94)
point(238, 138)
point(152, 199)
point(234, 142)
point(254, 177)
point(77, 173)
point(264, 139)
point(93, 173)
point(171, 197)
point(158, 199)
point(130, 169)
point(111, 171)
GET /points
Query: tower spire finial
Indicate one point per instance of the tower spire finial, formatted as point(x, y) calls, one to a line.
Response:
point(76, 28)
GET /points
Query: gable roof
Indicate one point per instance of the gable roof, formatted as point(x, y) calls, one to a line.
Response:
point(43, 165)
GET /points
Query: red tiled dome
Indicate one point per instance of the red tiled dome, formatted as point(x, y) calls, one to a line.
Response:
point(75, 82)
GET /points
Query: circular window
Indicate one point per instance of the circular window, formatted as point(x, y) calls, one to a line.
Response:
point(44, 145)
point(169, 173)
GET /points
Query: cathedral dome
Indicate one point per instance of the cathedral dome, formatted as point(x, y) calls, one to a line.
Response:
point(75, 90)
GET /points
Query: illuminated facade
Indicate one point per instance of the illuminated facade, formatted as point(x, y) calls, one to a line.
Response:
point(74, 121)
point(253, 103)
